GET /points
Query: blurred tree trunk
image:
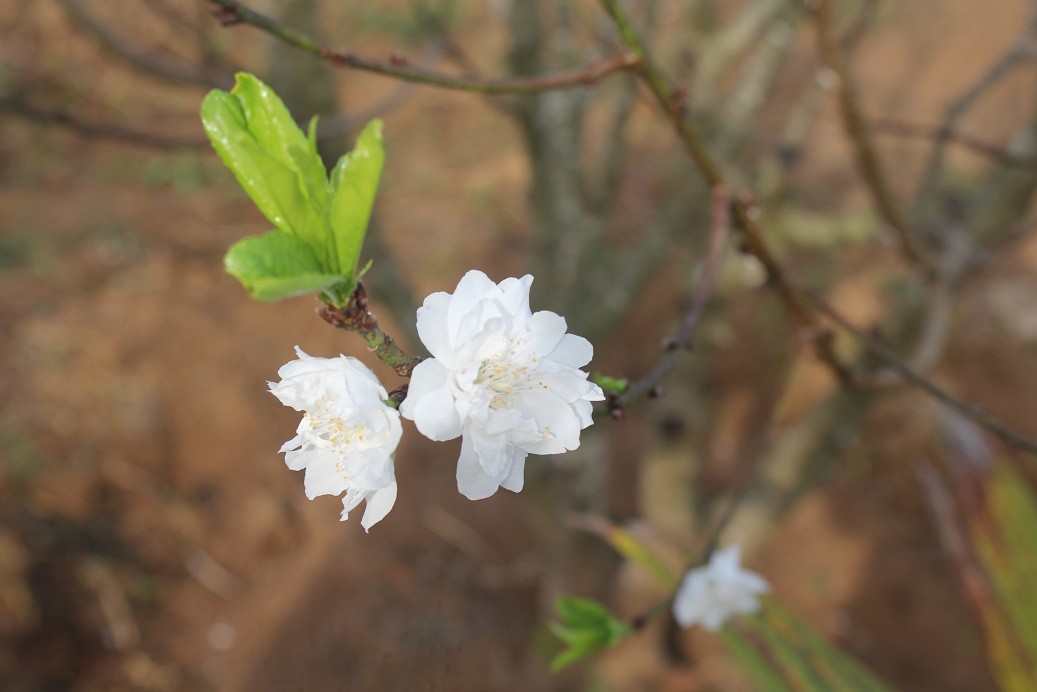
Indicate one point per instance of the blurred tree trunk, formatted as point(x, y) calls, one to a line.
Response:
point(552, 125)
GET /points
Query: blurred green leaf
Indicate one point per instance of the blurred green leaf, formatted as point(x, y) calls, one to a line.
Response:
point(354, 184)
point(630, 547)
point(615, 385)
point(781, 652)
point(763, 674)
point(1004, 532)
point(277, 265)
point(585, 626)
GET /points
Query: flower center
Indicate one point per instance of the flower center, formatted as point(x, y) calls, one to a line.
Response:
point(504, 378)
point(332, 432)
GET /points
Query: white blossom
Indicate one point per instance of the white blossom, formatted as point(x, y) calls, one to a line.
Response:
point(712, 594)
point(347, 436)
point(508, 381)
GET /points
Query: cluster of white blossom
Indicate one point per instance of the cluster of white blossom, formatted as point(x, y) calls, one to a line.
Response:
point(503, 378)
point(714, 593)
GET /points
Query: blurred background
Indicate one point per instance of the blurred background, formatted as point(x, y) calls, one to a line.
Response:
point(150, 535)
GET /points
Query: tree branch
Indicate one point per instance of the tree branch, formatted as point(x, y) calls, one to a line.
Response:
point(857, 129)
point(190, 75)
point(232, 12)
point(355, 317)
point(746, 213)
point(893, 360)
point(682, 339)
point(38, 116)
point(1023, 46)
point(944, 133)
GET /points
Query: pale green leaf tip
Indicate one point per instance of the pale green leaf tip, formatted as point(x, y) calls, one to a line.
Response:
point(375, 128)
point(241, 79)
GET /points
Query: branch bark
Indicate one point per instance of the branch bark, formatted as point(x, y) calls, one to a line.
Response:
point(858, 130)
point(233, 12)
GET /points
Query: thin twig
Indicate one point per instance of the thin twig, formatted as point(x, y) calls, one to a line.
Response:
point(745, 211)
point(893, 360)
point(1023, 46)
point(941, 505)
point(857, 129)
point(682, 339)
point(899, 128)
point(861, 23)
point(673, 102)
point(38, 116)
point(356, 317)
point(174, 72)
point(233, 12)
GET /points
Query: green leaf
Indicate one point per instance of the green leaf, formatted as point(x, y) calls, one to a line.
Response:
point(781, 652)
point(614, 385)
point(277, 265)
point(354, 184)
point(1003, 529)
point(275, 163)
point(755, 664)
point(586, 626)
point(276, 132)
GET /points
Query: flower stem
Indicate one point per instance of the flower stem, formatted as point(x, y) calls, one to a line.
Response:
point(355, 316)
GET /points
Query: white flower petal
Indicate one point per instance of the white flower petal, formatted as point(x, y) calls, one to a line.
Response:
point(467, 308)
point(432, 324)
point(546, 330)
point(430, 402)
point(712, 594)
point(346, 440)
point(378, 505)
point(516, 477)
point(515, 296)
point(573, 351)
point(492, 451)
point(504, 378)
point(472, 479)
point(560, 424)
point(322, 479)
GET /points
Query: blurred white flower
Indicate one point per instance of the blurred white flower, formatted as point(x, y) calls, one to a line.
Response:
point(507, 380)
point(347, 436)
point(712, 594)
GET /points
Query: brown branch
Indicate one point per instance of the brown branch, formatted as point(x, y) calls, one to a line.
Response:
point(886, 354)
point(857, 129)
point(178, 73)
point(1023, 46)
point(38, 116)
point(974, 584)
point(683, 338)
point(233, 12)
point(745, 211)
point(899, 128)
point(672, 101)
point(356, 317)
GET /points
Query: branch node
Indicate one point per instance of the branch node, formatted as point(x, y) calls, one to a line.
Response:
point(227, 16)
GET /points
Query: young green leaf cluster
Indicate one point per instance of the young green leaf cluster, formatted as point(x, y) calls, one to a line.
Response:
point(319, 220)
point(585, 626)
